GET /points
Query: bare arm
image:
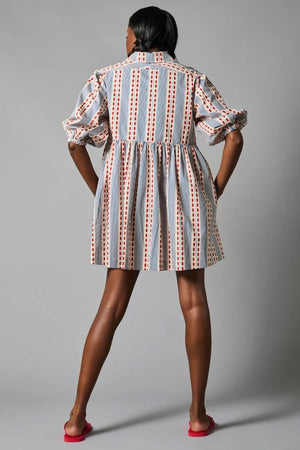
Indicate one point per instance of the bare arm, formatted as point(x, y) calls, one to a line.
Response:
point(83, 163)
point(231, 153)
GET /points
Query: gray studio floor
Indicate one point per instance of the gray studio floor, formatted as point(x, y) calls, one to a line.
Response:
point(264, 423)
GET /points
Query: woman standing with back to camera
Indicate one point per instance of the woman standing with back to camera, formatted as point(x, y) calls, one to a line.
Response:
point(155, 199)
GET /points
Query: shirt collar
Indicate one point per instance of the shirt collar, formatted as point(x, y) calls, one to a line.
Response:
point(159, 56)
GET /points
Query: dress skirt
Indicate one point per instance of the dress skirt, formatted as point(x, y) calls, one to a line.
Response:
point(155, 208)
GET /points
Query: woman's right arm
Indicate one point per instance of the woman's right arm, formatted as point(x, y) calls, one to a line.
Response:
point(84, 164)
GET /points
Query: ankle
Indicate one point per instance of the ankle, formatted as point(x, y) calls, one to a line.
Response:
point(197, 412)
point(78, 411)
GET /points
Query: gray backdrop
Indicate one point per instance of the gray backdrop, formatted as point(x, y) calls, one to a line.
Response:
point(51, 292)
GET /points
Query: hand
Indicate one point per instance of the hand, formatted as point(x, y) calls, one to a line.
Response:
point(218, 190)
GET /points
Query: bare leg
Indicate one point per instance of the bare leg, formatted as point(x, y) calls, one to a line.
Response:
point(193, 302)
point(117, 292)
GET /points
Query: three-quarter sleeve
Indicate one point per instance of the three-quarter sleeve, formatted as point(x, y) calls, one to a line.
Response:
point(89, 121)
point(213, 118)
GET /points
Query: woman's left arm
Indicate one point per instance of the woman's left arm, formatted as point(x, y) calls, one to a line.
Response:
point(83, 163)
point(231, 152)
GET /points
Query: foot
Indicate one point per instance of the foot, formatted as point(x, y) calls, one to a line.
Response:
point(199, 422)
point(76, 423)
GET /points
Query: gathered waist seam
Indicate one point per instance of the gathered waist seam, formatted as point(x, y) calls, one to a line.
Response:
point(154, 142)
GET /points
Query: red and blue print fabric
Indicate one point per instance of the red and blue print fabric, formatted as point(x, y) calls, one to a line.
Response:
point(156, 203)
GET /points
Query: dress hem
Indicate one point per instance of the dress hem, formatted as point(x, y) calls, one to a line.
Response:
point(164, 269)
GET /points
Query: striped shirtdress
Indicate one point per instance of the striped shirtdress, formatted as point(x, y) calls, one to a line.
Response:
point(156, 203)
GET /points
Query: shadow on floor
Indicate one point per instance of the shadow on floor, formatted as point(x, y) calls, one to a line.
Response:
point(280, 407)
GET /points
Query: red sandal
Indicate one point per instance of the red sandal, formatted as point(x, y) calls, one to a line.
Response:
point(67, 438)
point(204, 432)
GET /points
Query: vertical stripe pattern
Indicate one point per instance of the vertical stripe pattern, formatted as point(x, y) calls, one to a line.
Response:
point(155, 207)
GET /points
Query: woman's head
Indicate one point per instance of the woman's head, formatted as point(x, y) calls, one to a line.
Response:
point(152, 28)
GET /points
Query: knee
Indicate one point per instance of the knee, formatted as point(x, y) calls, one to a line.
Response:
point(194, 308)
point(111, 314)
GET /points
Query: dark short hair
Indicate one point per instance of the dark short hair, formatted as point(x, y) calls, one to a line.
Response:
point(154, 27)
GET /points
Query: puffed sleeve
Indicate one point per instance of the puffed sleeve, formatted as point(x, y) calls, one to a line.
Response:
point(212, 116)
point(89, 121)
